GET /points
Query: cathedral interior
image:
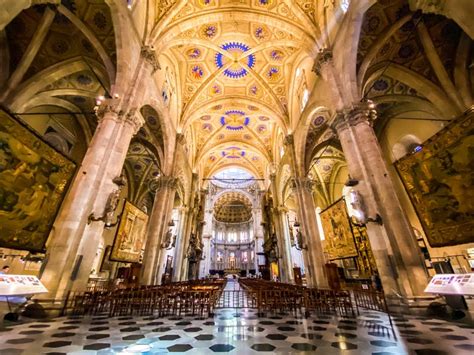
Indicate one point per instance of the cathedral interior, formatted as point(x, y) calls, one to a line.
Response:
point(242, 176)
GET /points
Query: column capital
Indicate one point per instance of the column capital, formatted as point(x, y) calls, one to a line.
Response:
point(180, 138)
point(323, 58)
point(362, 112)
point(109, 106)
point(163, 182)
point(135, 119)
point(428, 6)
point(302, 183)
point(289, 139)
point(148, 53)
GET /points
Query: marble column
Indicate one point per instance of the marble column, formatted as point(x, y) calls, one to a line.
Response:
point(313, 255)
point(206, 263)
point(286, 245)
point(393, 243)
point(73, 240)
point(157, 228)
point(314, 252)
point(183, 213)
point(182, 260)
point(283, 252)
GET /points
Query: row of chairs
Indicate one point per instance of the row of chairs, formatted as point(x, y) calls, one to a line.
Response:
point(280, 297)
point(172, 299)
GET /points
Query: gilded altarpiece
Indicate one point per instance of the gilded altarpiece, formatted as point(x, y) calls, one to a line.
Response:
point(339, 240)
point(131, 233)
point(33, 180)
point(439, 181)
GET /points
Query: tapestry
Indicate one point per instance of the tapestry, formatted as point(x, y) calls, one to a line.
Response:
point(33, 180)
point(439, 181)
point(339, 241)
point(131, 233)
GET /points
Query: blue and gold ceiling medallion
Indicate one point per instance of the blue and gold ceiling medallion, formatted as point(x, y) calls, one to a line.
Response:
point(235, 70)
point(235, 120)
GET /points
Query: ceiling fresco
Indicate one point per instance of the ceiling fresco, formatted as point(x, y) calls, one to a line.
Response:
point(233, 207)
point(235, 71)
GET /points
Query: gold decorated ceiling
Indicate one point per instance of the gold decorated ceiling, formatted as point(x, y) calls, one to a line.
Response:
point(233, 207)
point(235, 60)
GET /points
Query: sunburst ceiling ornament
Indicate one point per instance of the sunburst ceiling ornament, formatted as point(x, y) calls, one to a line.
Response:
point(233, 153)
point(236, 69)
point(235, 120)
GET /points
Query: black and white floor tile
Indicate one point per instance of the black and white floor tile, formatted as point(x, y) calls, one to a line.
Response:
point(239, 331)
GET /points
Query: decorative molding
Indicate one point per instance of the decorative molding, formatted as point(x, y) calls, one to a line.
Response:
point(149, 54)
point(323, 58)
point(289, 139)
point(363, 112)
point(163, 182)
point(428, 6)
point(135, 119)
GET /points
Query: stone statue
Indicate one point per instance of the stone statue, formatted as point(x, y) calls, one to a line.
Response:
point(111, 206)
point(167, 240)
point(299, 239)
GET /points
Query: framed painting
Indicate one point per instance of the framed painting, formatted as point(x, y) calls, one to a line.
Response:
point(339, 240)
point(439, 181)
point(33, 180)
point(130, 236)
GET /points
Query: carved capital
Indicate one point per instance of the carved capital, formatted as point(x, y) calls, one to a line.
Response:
point(180, 138)
point(109, 108)
point(135, 119)
point(361, 113)
point(148, 53)
point(428, 6)
point(323, 58)
point(163, 182)
point(289, 139)
point(302, 183)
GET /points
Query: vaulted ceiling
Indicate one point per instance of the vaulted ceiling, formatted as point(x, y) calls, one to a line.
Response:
point(236, 62)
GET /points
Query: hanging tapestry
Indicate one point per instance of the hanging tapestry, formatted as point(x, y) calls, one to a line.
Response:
point(439, 180)
point(339, 241)
point(33, 180)
point(130, 236)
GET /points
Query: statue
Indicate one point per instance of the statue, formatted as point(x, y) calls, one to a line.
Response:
point(168, 240)
point(111, 206)
point(299, 240)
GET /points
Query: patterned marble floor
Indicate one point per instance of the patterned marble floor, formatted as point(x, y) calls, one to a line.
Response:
point(239, 332)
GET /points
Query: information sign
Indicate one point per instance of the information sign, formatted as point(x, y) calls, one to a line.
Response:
point(17, 285)
point(452, 284)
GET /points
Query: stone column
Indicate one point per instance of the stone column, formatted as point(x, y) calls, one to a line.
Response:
point(73, 240)
point(182, 260)
point(206, 263)
point(393, 243)
point(157, 228)
point(280, 233)
point(314, 252)
point(313, 255)
point(283, 221)
point(183, 212)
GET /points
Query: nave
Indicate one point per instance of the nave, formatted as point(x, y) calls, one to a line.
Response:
point(238, 331)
